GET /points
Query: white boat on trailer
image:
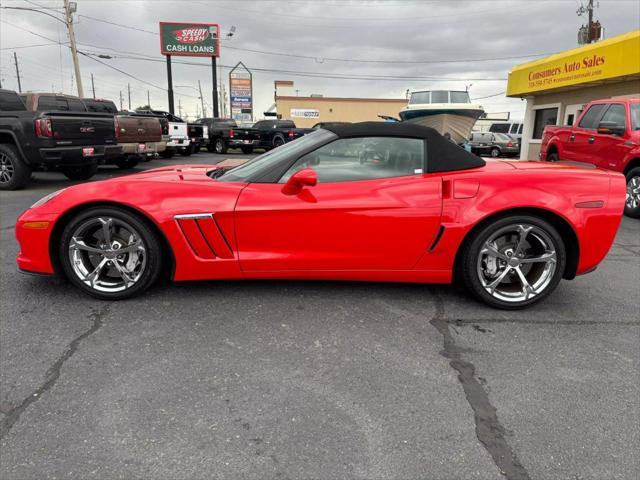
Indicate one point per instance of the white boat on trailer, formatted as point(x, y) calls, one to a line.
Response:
point(447, 111)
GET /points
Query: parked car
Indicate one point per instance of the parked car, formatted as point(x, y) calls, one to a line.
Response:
point(195, 131)
point(427, 212)
point(513, 129)
point(607, 135)
point(178, 133)
point(268, 134)
point(493, 144)
point(221, 134)
point(70, 141)
point(140, 136)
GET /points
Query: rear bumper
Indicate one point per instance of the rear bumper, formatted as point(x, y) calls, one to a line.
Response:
point(142, 148)
point(75, 156)
point(239, 142)
point(178, 143)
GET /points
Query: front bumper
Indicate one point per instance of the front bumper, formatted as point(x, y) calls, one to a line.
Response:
point(33, 231)
point(74, 156)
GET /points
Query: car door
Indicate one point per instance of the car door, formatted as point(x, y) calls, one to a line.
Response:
point(373, 208)
point(608, 150)
point(579, 145)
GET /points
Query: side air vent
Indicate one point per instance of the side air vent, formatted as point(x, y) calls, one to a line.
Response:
point(204, 236)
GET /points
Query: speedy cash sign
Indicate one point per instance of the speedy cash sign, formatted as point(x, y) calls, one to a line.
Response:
point(190, 39)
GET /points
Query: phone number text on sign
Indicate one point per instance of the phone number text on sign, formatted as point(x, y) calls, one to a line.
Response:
point(305, 113)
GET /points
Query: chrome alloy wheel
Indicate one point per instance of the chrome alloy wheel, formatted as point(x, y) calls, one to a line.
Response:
point(517, 263)
point(107, 254)
point(633, 193)
point(6, 168)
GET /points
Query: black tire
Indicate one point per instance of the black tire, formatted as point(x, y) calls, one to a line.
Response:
point(128, 162)
point(471, 260)
point(632, 204)
point(152, 248)
point(84, 172)
point(278, 142)
point(14, 173)
point(495, 152)
point(553, 157)
point(168, 153)
point(247, 150)
point(220, 146)
point(187, 151)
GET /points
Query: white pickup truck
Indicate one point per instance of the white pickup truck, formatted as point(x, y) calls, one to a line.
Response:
point(178, 135)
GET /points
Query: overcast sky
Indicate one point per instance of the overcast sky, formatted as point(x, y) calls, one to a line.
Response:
point(343, 37)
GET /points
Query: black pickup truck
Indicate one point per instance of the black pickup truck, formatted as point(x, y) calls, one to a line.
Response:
point(70, 142)
point(268, 134)
point(224, 133)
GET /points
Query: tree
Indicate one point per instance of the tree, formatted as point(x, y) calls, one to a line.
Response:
point(143, 107)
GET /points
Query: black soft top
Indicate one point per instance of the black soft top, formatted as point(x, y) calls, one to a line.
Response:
point(443, 154)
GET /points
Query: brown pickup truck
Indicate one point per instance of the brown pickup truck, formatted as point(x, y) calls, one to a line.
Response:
point(140, 137)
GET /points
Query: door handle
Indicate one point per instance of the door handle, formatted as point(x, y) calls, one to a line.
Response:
point(591, 139)
point(572, 138)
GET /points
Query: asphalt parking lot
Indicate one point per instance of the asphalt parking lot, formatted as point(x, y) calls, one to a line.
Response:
point(316, 379)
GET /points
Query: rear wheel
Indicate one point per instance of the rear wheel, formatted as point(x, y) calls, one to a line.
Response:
point(168, 153)
point(495, 152)
point(187, 151)
point(553, 157)
point(110, 253)
point(14, 173)
point(128, 162)
point(247, 150)
point(84, 172)
point(514, 261)
point(220, 146)
point(632, 204)
point(278, 142)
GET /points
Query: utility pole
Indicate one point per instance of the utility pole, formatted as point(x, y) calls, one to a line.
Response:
point(201, 99)
point(120, 100)
point(148, 100)
point(179, 108)
point(93, 87)
point(15, 59)
point(129, 93)
point(590, 10)
point(68, 10)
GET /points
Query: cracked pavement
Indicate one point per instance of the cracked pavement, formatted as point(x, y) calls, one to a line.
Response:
point(317, 379)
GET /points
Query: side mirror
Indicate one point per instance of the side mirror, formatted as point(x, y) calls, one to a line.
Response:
point(610, 128)
point(306, 177)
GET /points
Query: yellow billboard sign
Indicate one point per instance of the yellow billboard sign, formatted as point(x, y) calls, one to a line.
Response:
point(615, 57)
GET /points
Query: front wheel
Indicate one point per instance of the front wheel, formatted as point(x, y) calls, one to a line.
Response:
point(14, 173)
point(110, 253)
point(553, 157)
point(85, 172)
point(513, 262)
point(632, 203)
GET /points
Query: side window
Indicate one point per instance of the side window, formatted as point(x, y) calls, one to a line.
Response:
point(590, 118)
point(260, 125)
point(616, 114)
point(514, 128)
point(364, 158)
point(499, 128)
point(520, 129)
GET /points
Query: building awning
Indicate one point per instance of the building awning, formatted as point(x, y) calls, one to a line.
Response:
point(614, 59)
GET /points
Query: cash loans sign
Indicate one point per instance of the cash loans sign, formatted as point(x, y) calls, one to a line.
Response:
point(190, 39)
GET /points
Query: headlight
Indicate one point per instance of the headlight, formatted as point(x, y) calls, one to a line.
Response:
point(46, 198)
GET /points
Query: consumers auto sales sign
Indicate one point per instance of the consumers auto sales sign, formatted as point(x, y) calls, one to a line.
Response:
point(190, 39)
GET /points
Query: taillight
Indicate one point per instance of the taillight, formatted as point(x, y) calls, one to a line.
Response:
point(510, 144)
point(231, 133)
point(43, 128)
point(291, 133)
point(116, 127)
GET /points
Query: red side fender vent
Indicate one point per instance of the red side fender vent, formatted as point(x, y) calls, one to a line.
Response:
point(204, 236)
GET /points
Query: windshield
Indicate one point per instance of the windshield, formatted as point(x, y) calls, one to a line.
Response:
point(635, 116)
point(266, 161)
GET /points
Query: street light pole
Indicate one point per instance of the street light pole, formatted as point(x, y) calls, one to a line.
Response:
point(72, 39)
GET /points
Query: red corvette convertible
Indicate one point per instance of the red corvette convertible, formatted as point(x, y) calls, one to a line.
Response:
point(370, 201)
